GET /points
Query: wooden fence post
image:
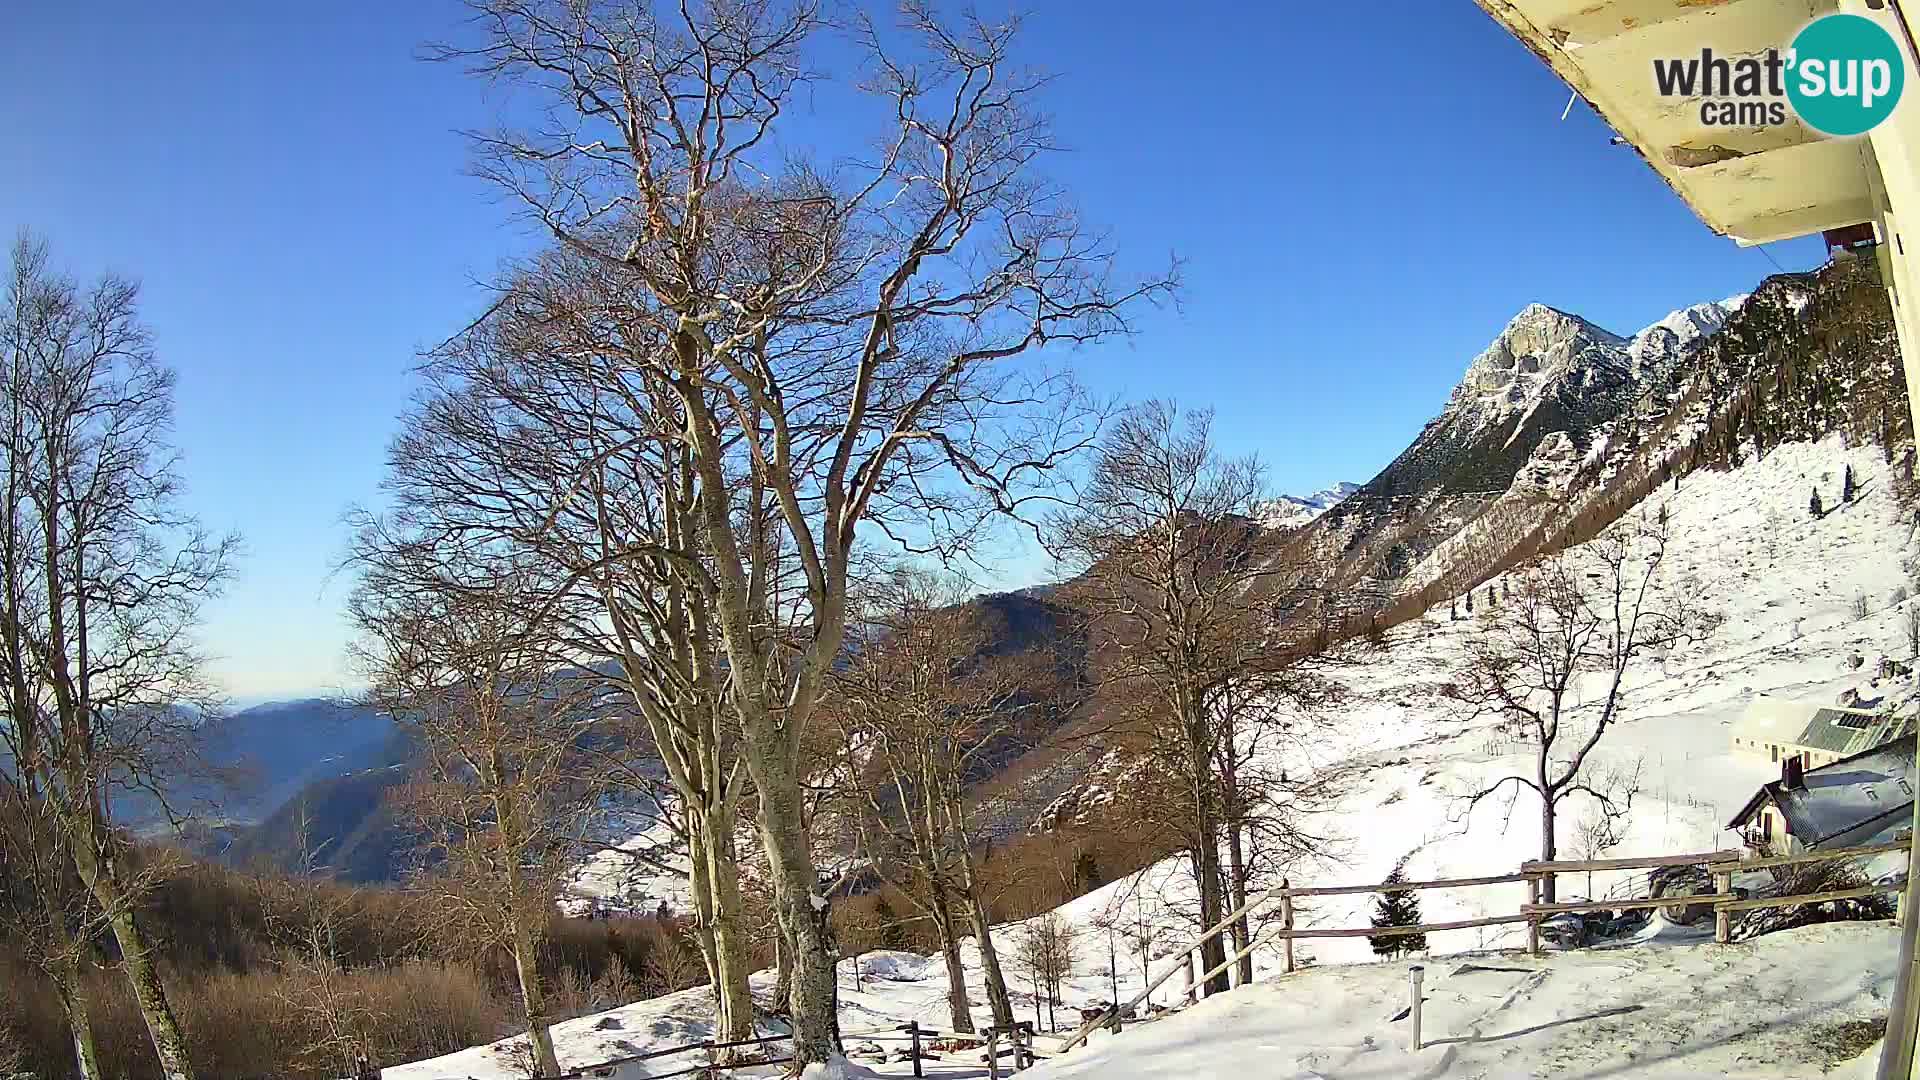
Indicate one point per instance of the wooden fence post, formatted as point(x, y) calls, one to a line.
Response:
point(1533, 923)
point(1722, 919)
point(993, 1054)
point(1186, 973)
point(913, 1032)
point(1286, 919)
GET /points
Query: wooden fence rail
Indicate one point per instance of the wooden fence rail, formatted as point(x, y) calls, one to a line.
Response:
point(1723, 865)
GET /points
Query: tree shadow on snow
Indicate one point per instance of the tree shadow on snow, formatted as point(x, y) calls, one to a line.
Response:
point(1601, 1015)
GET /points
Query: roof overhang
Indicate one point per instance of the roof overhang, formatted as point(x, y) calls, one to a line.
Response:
point(1754, 184)
point(1764, 795)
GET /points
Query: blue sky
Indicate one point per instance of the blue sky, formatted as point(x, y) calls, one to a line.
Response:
point(1363, 195)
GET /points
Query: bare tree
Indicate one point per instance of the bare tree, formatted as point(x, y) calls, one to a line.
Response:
point(537, 435)
point(104, 578)
point(1274, 795)
point(42, 903)
point(1048, 947)
point(1554, 662)
point(1175, 585)
point(832, 340)
point(930, 697)
point(465, 662)
point(1596, 834)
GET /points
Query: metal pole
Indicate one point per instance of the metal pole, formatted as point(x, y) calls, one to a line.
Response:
point(1414, 974)
point(913, 1030)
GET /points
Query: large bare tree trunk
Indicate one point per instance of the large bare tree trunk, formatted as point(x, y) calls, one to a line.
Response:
point(798, 905)
point(533, 999)
point(998, 1000)
point(957, 1003)
point(136, 960)
point(1548, 845)
point(733, 1004)
point(73, 1003)
point(1237, 892)
point(1205, 855)
point(703, 902)
point(526, 965)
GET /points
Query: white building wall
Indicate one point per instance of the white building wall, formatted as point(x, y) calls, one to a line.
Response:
point(1895, 145)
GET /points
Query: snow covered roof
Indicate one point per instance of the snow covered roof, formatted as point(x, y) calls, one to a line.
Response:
point(1754, 184)
point(1847, 802)
point(1819, 726)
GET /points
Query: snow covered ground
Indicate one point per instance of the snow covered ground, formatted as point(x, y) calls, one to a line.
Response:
point(1669, 1004)
point(1788, 585)
point(1658, 1008)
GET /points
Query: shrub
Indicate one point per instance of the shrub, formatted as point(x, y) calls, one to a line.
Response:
point(1805, 880)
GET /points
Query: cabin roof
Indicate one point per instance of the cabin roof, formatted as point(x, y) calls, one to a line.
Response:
point(1849, 799)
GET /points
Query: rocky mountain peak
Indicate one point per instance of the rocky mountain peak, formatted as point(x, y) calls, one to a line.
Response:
point(1539, 349)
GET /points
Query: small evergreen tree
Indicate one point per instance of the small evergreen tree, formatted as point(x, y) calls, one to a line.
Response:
point(1397, 909)
point(1453, 611)
point(1469, 601)
point(1846, 485)
point(1086, 871)
point(1814, 506)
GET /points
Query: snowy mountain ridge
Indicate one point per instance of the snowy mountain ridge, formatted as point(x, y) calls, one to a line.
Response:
point(1293, 511)
point(1655, 349)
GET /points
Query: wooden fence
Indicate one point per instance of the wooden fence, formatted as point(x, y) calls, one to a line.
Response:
point(1721, 865)
point(996, 1045)
point(1020, 1044)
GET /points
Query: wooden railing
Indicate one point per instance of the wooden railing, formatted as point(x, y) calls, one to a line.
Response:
point(1722, 865)
point(1019, 1041)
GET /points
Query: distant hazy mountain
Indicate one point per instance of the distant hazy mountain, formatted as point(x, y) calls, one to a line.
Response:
point(271, 751)
point(337, 825)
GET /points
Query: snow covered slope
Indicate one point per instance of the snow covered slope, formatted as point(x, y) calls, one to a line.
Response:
point(1788, 585)
point(1669, 1005)
point(1655, 1010)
